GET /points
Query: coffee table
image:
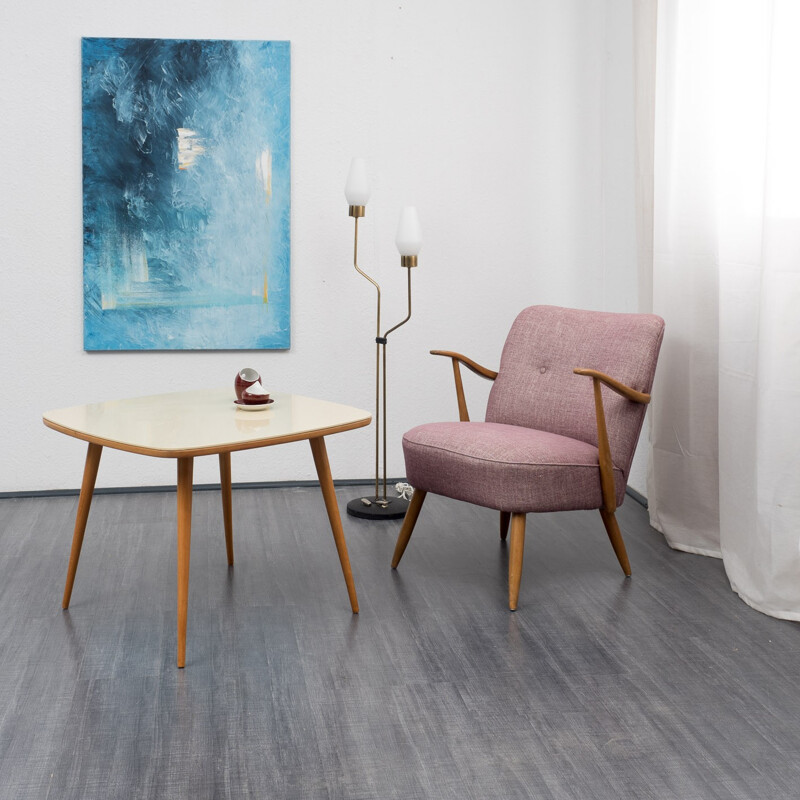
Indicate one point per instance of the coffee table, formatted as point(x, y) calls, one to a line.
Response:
point(183, 425)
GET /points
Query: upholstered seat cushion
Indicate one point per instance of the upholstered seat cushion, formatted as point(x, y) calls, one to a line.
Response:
point(506, 467)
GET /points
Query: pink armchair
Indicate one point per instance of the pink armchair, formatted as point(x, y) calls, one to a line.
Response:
point(552, 440)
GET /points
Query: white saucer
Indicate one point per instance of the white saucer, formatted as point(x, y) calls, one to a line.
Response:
point(253, 406)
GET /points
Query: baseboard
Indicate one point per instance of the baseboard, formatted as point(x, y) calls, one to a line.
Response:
point(639, 498)
point(207, 487)
point(198, 487)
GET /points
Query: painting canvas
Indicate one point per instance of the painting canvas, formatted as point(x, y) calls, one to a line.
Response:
point(186, 189)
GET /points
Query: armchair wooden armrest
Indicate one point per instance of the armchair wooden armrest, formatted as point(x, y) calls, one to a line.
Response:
point(614, 385)
point(606, 464)
point(471, 365)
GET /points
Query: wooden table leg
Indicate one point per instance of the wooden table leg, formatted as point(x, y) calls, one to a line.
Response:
point(185, 466)
point(227, 502)
point(326, 484)
point(84, 503)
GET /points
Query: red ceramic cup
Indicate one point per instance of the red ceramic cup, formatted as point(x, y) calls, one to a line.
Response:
point(244, 378)
point(251, 397)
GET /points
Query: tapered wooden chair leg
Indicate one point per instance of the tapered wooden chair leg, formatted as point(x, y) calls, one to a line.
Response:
point(227, 502)
point(84, 503)
point(185, 469)
point(409, 521)
point(322, 465)
point(515, 559)
point(505, 518)
point(612, 528)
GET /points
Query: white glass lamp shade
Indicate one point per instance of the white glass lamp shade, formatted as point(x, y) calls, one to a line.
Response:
point(409, 232)
point(357, 189)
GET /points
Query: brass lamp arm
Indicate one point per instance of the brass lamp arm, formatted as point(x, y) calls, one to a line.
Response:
point(603, 447)
point(361, 272)
point(408, 316)
point(463, 413)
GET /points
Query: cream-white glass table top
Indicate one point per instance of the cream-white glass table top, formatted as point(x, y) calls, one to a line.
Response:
point(202, 422)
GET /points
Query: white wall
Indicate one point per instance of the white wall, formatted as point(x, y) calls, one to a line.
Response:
point(509, 124)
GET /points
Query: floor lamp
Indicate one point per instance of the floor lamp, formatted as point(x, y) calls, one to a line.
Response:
point(409, 242)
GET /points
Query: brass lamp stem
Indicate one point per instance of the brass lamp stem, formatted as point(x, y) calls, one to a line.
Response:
point(383, 497)
point(377, 353)
point(385, 336)
point(380, 342)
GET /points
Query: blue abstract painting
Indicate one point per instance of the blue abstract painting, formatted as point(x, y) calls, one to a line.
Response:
point(186, 194)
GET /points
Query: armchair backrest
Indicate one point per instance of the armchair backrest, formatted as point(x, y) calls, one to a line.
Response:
point(536, 387)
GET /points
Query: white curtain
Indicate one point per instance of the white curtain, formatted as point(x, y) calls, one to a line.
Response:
point(725, 462)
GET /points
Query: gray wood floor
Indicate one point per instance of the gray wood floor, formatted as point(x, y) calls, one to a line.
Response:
point(663, 686)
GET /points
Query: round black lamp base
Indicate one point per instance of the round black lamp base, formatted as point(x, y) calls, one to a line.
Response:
point(395, 509)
